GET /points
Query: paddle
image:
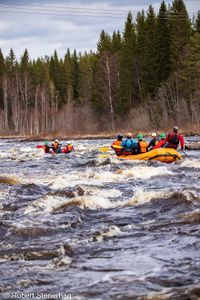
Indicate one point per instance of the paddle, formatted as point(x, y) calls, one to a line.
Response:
point(105, 149)
point(186, 154)
point(39, 146)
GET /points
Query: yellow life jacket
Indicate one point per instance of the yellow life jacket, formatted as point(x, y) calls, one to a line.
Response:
point(70, 147)
point(143, 146)
point(55, 145)
point(117, 143)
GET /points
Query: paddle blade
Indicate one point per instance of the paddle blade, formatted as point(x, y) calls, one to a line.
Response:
point(117, 147)
point(39, 146)
point(104, 149)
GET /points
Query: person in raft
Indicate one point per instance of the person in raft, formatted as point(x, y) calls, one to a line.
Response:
point(118, 143)
point(68, 148)
point(162, 141)
point(56, 145)
point(46, 147)
point(129, 145)
point(153, 142)
point(142, 145)
point(174, 138)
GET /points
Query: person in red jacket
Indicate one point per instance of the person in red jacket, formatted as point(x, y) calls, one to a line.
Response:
point(162, 141)
point(174, 138)
point(68, 149)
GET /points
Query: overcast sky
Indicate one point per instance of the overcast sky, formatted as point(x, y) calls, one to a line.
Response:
point(42, 26)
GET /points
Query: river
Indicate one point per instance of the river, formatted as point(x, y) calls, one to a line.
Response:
point(81, 226)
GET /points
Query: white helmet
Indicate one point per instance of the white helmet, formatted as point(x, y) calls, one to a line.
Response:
point(129, 135)
point(153, 134)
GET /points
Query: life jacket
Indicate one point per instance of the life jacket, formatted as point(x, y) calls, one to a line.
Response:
point(129, 144)
point(70, 148)
point(174, 139)
point(143, 146)
point(117, 143)
point(118, 151)
point(55, 145)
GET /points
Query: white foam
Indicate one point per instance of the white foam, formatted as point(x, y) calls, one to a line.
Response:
point(94, 199)
point(194, 163)
point(112, 231)
point(89, 177)
point(141, 196)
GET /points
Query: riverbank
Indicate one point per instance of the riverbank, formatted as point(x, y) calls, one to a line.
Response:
point(102, 135)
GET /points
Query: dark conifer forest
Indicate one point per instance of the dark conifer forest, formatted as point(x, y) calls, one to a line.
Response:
point(147, 76)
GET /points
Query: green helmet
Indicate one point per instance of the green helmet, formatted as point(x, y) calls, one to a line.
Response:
point(46, 142)
point(140, 136)
point(162, 136)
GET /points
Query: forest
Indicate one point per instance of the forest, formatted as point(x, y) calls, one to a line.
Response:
point(146, 77)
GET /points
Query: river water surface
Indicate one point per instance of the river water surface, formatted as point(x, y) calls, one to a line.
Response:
point(83, 226)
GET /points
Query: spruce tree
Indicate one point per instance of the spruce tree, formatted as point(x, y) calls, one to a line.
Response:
point(197, 23)
point(140, 52)
point(150, 55)
point(11, 60)
point(75, 77)
point(180, 30)
point(127, 76)
point(104, 43)
point(116, 42)
point(56, 75)
point(68, 65)
point(163, 44)
point(25, 61)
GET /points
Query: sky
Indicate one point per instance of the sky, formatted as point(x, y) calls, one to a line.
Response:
point(42, 26)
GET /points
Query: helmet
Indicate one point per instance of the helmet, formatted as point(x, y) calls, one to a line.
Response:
point(162, 136)
point(129, 134)
point(46, 143)
point(56, 141)
point(175, 129)
point(140, 136)
point(119, 136)
point(153, 134)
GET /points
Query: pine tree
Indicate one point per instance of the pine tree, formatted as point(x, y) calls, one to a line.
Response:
point(57, 77)
point(11, 60)
point(180, 30)
point(68, 65)
point(163, 44)
point(150, 55)
point(104, 43)
point(25, 61)
point(116, 42)
point(140, 52)
point(197, 23)
point(75, 77)
point(127, 90)
point(86, 78)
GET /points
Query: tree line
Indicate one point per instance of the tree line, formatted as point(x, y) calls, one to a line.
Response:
point(146, 77)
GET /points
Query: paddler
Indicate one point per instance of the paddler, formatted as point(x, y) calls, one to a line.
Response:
point(162, 141)
point(153, 142)
point(56, 146)
point(174, 138)
point(142, 146)
point(118, 143)
point(68, 148)
point(129, 145)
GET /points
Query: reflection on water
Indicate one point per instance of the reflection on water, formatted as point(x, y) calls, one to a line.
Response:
point(95, 227)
